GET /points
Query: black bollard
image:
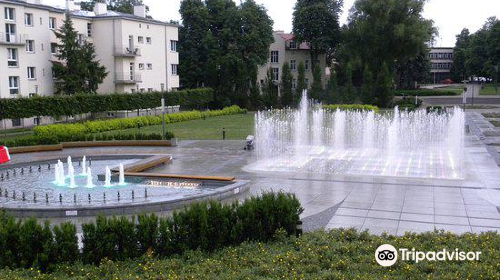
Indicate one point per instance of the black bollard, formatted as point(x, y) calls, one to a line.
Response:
point(22, 170)
point(90, 161)
point(34, 197)
point(145, 193)
point(14, 195)
point(39, 168)
point(48, 166)
point(104, 196)
point(31, 169)
point(14, 172)
point(24, 197)
point(6, 193)
point(118, 196)
point(46, 198)
point(89, 198)
point(60, 198)
point(8, 175)
point(223, 133)
point(1, 177)
point(74, 198)
point(133, 195)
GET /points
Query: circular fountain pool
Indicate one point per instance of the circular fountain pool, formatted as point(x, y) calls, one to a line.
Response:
point(74, 187)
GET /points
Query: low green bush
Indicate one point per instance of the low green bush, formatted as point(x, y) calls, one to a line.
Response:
point(425, 92)
point(351, 107)
point(64, 131)
point(206, 226)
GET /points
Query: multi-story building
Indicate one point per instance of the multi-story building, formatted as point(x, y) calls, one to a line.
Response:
point(441, 61)
point(286, 49)
point(139, 53)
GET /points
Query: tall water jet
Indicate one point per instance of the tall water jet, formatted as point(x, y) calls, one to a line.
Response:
point(84, 166)
point(121, 180)
point(71, 169)
point(107, 179)
point(90, 184)
point(72, 183)
point(402, 143)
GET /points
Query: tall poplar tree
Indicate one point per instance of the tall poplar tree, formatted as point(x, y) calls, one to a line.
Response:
point(286, 85)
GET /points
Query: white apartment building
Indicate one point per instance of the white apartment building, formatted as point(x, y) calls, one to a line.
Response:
point(286, 49)
point(139, 53)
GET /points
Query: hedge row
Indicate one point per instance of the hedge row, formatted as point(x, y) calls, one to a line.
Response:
point(426, 92)
point(353, 107)
point(67, 130)
point(13, 108)
point(207, 226)
point(53, 140)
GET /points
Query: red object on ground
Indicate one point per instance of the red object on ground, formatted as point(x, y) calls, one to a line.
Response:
point(447, 82)
point(4, 155)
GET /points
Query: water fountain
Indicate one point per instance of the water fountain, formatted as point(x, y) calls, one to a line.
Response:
point(107, 180)
point(71, 174)
point(121, 180)
point(90, 184)
point(84, 166)
point(399, 143)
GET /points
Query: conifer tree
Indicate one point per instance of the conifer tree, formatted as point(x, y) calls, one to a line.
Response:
point(317, 86)
point(367, 86)
point(286, 85)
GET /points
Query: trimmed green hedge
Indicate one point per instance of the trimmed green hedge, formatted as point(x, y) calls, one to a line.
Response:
point(206, 226)
point(53, 140)
point(425, 92)
point(352, 107)
point(13, 108)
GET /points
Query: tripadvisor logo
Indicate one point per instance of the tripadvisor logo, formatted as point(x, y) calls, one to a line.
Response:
point(387, 255)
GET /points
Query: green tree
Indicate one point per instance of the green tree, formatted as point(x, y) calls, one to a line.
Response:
point(332, 93)
point(384, 86)
point(367, 86)
point(232, 41)
point(122, 6)
point(317, 22)
point(301, 82)
point(270, 90)
point(286, 85)
point(415, 70)
point(192, 39)
point(317, 85)
point(385, 32)
point(458, 70)
point(76, 70)
point(349, 96)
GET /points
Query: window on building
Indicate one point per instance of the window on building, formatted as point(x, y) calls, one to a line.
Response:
point(276, 74)
point(274, 56)
point(294, 83)
point(307, 64)
point(148, 40)
point(30, 46)
point(175, 69)
point(31, 73)
point(173, 46)
point(293, 45)
point(140, 40)
point(150, 66)
point(32, 94)
point(10, 33)
point(16, 122)
point(36, 121)
point(81, 39)
point(293, 65)
point(143, 89)
point(53, 48)
point(14, 85)
point(141, 66)
point(132, 90)
point(89, 29)
point(28, 19)
point(12, 59)
point(307, 82)
point(10, 14)
point(150, 89)
point(52, 23)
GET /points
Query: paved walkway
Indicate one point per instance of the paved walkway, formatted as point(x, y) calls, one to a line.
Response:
point(392, 205)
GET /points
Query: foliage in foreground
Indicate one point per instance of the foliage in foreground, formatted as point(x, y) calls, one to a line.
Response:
point(338, 254)
point(206, 226)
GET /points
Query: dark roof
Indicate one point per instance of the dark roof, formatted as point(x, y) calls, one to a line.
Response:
point(88, 14)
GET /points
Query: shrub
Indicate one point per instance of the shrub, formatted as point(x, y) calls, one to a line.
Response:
point(426, 92)
point(13, 108)
point(65, 243)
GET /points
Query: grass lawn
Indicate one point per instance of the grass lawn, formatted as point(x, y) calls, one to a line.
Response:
point(489, 90)
point(338, 254)
point(11, 134)
point(456, 88)
point(238, 127)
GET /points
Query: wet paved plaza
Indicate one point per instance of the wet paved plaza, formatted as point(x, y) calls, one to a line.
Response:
point(378, 204)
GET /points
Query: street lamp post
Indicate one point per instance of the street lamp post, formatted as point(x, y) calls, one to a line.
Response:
point(163, 118)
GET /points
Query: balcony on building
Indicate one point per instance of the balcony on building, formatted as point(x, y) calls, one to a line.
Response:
point(127, 78)
point(127, 51)
point(13, 39)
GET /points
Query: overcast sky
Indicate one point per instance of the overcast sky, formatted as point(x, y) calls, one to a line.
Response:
point(450, 16)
